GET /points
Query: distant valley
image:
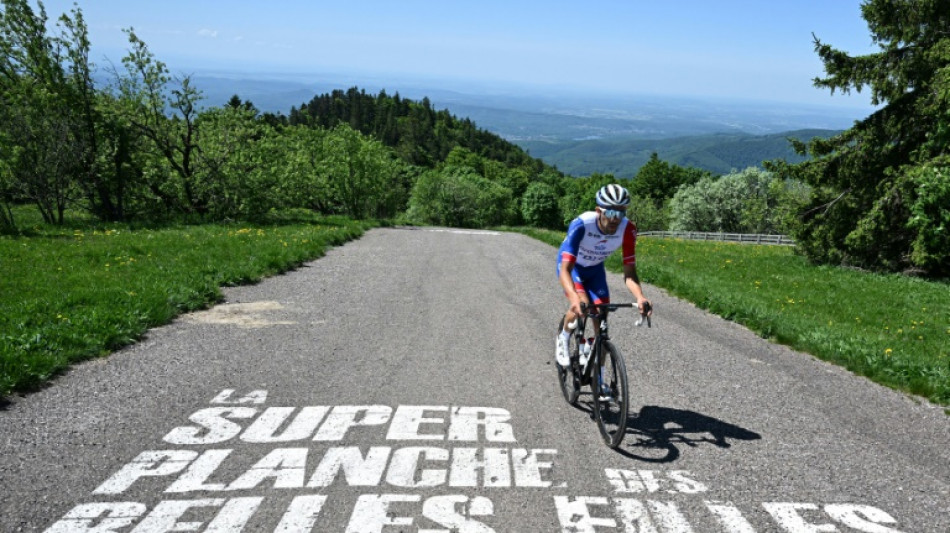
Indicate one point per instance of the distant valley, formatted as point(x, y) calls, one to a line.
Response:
point(583, 134)
point(720, 153)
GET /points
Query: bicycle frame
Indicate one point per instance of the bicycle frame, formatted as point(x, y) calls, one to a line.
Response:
point(599, 313)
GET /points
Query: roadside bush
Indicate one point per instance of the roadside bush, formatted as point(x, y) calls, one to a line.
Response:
point(750, 201)
point(539, 206)
point(647, 216)
point(459, 197)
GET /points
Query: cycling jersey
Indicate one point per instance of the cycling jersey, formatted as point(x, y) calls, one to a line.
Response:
point(589, 248)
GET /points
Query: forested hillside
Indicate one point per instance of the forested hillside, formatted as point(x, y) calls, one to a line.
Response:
point(419, 134)
point(719, 153)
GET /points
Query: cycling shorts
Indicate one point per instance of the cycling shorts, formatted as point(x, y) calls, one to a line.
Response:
point(592, 280)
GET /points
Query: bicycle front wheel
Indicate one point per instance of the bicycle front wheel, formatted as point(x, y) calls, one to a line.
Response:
point(610, 395)
point(570, 386)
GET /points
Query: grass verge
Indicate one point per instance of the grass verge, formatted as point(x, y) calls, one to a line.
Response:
point(72, 294)
point(892, 329)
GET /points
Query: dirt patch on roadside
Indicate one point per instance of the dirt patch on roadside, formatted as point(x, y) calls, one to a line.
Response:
point(245, 315)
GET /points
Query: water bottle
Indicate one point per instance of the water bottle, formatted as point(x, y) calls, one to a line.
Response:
point(585, 349)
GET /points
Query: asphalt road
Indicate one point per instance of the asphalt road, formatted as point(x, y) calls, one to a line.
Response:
point(405, 382)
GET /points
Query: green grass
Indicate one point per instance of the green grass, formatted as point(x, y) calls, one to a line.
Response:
point(72, 293)
point(893, 329)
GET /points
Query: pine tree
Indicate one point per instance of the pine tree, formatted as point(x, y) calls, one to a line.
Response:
point(883, 186)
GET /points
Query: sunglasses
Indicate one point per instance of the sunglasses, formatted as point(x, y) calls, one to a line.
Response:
point(614, 214)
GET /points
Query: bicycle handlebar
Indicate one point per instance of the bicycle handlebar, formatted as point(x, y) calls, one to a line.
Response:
point(610, 307)
point(644, 313)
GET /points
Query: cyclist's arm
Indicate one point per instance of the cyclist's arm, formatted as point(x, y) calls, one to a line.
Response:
point(569, 249)
point(630, 277)
point(632, 281)
point(567, 265)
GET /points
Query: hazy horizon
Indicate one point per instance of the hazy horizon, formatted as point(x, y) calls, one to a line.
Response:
point(731, 50)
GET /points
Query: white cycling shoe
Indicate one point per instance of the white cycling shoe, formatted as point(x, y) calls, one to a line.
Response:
point(561, 352)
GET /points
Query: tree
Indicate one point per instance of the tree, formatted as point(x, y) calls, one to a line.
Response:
point(659, 180)
point(366, 179)
point(144, 90)
point(300, 161)
point(539, 206)
point(7, 222)
point(878, 196)
point(103, 190)
point(44, 142)
point(236, 175)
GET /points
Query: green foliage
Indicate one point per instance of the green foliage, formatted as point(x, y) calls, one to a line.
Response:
point(234, 164)
point(365, 178)
point(299, 154)
point(892, 329)
point(751, 201)
point(7, 221)
point(142, 148)
point(660, 180)
point(647, 215)
point(147, 99)
point(867, 179)
point(692, 208)
point(460, 197)
point(577, 195)
point(930, 217)
point(419, 134)
point(46, 107)
point(539, 206)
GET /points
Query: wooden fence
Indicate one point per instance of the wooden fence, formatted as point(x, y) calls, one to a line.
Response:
point(749, 238)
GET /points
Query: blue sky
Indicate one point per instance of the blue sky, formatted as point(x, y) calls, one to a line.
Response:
point(738, 49)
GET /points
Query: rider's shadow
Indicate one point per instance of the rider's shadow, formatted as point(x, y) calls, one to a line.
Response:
point(654, 434)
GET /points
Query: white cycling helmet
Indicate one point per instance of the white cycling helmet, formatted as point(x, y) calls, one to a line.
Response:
point(613, 196)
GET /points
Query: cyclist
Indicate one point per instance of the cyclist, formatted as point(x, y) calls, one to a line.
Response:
point(591, 238)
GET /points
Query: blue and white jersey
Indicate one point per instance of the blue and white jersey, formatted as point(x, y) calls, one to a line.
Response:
point(587, 246)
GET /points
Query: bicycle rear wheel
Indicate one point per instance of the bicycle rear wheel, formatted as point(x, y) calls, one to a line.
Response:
point(570, 387)
point(610, 395)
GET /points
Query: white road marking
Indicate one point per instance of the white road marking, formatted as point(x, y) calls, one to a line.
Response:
point(422, 468)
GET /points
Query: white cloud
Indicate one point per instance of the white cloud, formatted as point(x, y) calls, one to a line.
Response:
point(208, 33)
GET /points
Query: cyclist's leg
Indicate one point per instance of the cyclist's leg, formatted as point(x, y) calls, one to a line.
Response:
point(595, 283)
point(582, 293)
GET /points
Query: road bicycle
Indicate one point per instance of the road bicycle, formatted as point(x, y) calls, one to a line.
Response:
point(603, 370)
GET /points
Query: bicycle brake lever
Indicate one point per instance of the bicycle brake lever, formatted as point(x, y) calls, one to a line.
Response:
point(645, 315)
